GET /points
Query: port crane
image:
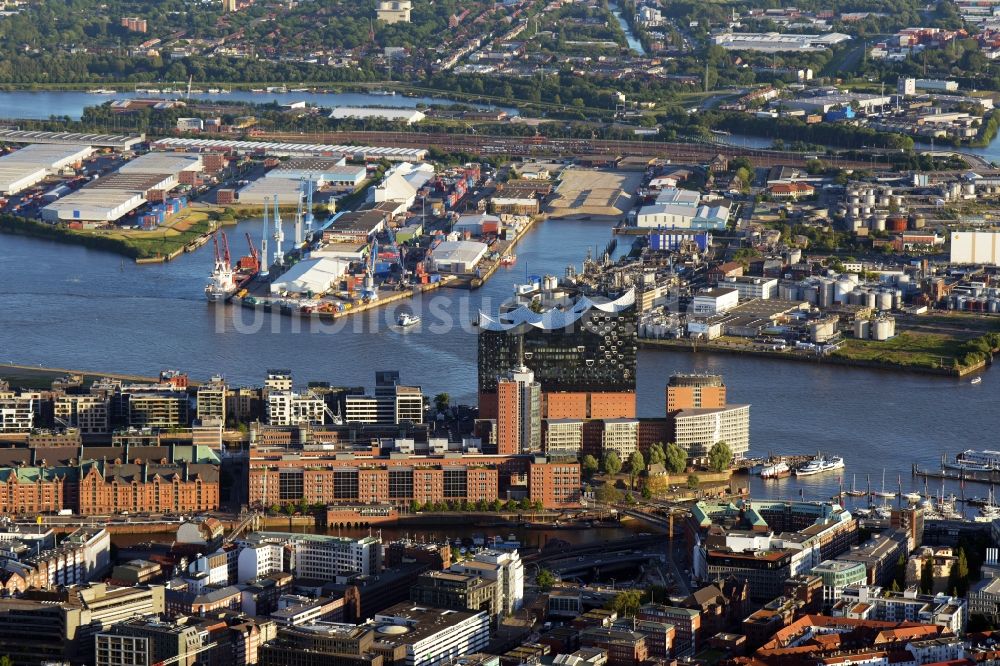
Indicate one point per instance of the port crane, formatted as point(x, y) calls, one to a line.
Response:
point(398, 256)
point(263, 240)
point(369, 291)
point(253, 251)
point(279, 235)
point(309, 204)
point(298, 223)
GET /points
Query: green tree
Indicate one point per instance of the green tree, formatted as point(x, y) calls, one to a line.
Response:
point(545, 579)
point(646, 492)
point(720, 457)
point(636, 466)
point(676, 458)
point(626, 602)
point(589, 465)
point(442, 401)
point(693, 481)
point(608, 494)
point(611, 464)
point(657, 456)
point(958, 579)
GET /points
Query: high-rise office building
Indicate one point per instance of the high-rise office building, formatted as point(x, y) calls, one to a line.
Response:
point(701, 417)
point(695, 392)
point(519, 413)
point(582, 353)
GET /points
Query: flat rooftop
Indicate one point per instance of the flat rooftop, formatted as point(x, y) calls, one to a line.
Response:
point(117, 141)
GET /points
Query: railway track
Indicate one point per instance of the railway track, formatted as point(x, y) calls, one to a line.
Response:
point(537, 146)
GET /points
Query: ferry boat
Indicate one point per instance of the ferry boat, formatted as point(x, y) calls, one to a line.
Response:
point(976, 461)
point(820, 464)
point(778, 470)
point(406, 320)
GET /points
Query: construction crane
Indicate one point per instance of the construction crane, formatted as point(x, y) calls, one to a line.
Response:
point(279, 235)
point(263, 240)
point(369, 291)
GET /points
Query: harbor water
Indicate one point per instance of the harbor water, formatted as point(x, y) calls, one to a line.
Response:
point(41, 105)
point(67, 306)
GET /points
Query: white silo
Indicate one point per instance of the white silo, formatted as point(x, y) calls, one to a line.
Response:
point(883, 300)
point(842, 287)
point(861, 329)
point(883, 328)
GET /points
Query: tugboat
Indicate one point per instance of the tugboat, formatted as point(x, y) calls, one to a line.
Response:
point(406, 320)
point(223, 284)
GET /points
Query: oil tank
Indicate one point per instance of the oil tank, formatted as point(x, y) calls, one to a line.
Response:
point(883, 328)
point(870, 300)
point(883, 300)
point(551, 282)
point(810, 294)
point(841, 288)
point(917, 221)
point(856, 297)
point(788, 292)
point(826, 292)
point(896, 223)
point(969, 189)
point(877, 223)
point(861, 329)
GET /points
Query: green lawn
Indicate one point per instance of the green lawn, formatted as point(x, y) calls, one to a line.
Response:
point(929, 350)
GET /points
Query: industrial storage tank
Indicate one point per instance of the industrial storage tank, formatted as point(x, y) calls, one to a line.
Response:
point(826, 291)
point(788, 292)
point(877, 223)
point(883, 300)
point(841, 289)
point(870, 198)
point(551, 282)
point(856, 297)
point(883, 328)
point(969, 189)
point(870, 300)
point(810, 294)
point(896, 223)
point(994, 305)
point(917, 222)
point(861, 329)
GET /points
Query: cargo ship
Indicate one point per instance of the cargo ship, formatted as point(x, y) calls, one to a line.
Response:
point(226, 278)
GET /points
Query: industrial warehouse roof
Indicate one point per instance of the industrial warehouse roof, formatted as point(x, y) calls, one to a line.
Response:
point(303, 149)
point(287, 190)
point(466, 252)
point(553, 318)
point(315, 275)
point(31, 164)
point(167, 163)
point(409, 116)
point(118, 141)
point(131, 182)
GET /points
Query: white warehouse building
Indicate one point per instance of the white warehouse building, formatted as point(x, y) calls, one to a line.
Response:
point(975, 247)
point(458, 256)
point(30, 165)
point(315, 276)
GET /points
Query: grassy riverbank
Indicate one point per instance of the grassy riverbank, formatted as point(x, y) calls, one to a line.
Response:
point(186, 227)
